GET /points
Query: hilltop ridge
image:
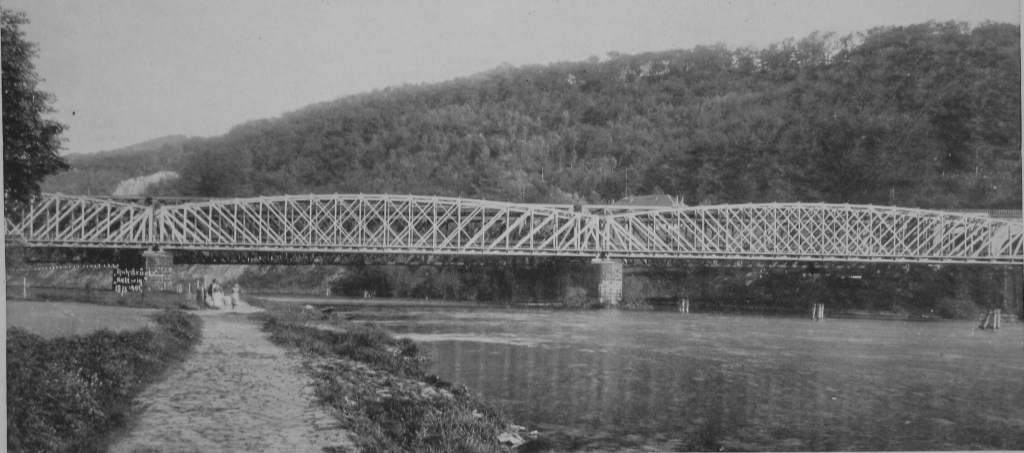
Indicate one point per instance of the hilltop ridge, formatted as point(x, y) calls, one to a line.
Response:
point(924, 115)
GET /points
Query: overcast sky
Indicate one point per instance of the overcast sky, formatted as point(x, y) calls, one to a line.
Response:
point(125, 71)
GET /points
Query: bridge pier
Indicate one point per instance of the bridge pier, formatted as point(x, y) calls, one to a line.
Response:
point(1017, 279)
point(605, 283)
point(1011, 292)
point(158, 270)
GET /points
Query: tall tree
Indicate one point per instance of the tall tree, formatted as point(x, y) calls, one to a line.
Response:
point(31, 142)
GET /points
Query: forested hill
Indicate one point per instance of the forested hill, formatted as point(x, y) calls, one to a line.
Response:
point(925, 115)
point(100, 173)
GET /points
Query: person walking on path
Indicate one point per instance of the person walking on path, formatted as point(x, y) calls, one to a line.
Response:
point(209, 295)
point(201, 298)
point(235, 290)
point(218, 295)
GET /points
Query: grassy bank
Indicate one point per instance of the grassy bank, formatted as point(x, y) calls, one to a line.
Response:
point(153, 299)
point(64, 319)
point(378, 388)
point(71, 393)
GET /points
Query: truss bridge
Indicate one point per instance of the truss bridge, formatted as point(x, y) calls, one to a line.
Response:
point(440, 226)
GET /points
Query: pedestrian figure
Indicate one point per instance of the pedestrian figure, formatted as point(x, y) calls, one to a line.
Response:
point(209, 295)
point(218, 295)
point(200, 297)
point(235, 290)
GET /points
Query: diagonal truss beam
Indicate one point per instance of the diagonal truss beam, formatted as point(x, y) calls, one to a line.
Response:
point(407, 224)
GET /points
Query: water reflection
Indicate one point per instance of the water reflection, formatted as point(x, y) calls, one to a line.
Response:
point(611, 380)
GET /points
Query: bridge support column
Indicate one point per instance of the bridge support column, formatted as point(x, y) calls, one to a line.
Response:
point(606, 282)
point(1013, 291)
point(159, 268)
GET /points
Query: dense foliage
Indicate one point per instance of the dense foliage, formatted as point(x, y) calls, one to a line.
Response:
point(100, 173)
point(925, 115)
point(950, 292)
point(68, 394)
point(31, 142)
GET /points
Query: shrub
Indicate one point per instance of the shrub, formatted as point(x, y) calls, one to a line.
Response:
point(955, 308)
point(362, 343)
point(423, 425)
point(69, 393)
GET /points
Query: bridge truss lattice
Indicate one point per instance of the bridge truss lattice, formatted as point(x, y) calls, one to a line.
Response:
point(419, 225)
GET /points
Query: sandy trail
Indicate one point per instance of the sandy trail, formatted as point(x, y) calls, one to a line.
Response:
point(237, 392)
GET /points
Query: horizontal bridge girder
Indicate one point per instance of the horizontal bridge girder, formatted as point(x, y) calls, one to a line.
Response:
point(419, 225)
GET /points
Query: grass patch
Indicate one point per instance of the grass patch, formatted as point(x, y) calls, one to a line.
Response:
point(154, 299)
point(361, 343)
point(376, 385)
point(71, 393)
point(62, 319)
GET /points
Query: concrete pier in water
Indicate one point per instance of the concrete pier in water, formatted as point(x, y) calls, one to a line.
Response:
point(606, 281)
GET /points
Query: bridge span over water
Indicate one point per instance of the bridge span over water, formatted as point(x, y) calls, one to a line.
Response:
point(433, 226)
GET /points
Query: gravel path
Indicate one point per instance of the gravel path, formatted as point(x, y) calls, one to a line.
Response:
point(237, 392)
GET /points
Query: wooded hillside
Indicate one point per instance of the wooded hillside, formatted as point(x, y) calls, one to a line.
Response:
point(100, 173)
point(925, 115)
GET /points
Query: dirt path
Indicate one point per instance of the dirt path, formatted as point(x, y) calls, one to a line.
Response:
point(237, 392)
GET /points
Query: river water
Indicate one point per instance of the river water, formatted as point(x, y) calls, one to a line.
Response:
point(613, 380)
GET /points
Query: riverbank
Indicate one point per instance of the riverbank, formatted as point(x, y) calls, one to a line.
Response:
point(93, 296)
point(377, 386)
point(71, 393)
point(881, 291)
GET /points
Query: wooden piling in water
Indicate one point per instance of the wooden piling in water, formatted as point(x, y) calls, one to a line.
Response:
point(993, 320)
point(817, 312)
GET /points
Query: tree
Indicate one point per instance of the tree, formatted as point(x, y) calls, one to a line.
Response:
point(31, 142)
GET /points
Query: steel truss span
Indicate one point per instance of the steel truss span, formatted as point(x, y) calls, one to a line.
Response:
point(418, 225)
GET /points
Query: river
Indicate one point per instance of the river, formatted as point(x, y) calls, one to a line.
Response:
point(619, 380)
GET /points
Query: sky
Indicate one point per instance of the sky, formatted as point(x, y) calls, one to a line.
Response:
point(125, 71)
